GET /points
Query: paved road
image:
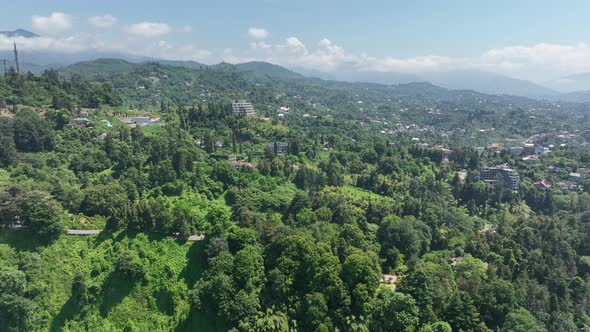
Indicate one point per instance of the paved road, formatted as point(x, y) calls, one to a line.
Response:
point(191, 238)
point(83, 231)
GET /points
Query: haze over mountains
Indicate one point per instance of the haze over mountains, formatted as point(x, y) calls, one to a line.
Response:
point(19, 33)
point(575, 88)
point(459, 80)
point(571, 83)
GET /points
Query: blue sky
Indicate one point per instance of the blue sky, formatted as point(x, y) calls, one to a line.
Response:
point(516, 38)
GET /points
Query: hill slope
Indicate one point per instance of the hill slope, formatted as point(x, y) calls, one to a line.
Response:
point(489, 83)
point(147, 85)
point(99, 67)
point(185, 64)
point(265, 68)
point(112, 301)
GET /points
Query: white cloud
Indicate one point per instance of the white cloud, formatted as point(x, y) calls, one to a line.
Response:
point(187, 28)
point(148, 29)
point(328, 57)
point(164, 50)
point(104, 21)
point(538, 62)
point(542, 58)
point(53, 24)
point(294, 44)
point(70, 44)
point(258, 33)
point(261, 45)
point(95, 44)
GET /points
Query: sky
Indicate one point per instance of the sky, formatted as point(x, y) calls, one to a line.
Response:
point(536, 40)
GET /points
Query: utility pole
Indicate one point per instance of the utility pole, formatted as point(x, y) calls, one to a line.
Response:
point(5, 70)
point(16, 59)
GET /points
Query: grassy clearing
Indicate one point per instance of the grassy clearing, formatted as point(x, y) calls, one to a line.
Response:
point(361, 193)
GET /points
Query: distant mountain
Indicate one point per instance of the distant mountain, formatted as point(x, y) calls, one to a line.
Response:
point(148, 84)
point(269, 69)
point(379, 77)
point(258, 70)
point(59, 59)
point(178, 63)
point(19, 33)
point(98, 64)
point(34, 68)
point(489, 83)
point(574, 88)
point(479, 81)
point(99, 67)
point(364, 76)
point(571, 83)
point(574, 97)
point(223, 66)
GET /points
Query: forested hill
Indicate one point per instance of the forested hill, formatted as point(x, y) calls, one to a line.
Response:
point(148, 84)
point(265, 68)
point(48, 91)
point(337, 207)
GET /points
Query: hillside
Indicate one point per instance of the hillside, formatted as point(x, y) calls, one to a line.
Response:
point(480, 81)
point(147, 85)
point(47, 90)
point(575, 97)
point(293, 166)
point(177, 63)
point(339, 206)
point(98, 68)
point(489, 83)
point(101, 297)
point(265, 68)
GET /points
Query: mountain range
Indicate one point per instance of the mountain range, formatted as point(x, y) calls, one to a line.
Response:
point(574, 88)
point(173, 79)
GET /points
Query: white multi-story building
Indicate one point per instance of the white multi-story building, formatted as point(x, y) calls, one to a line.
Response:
point(509, 176)
point(243, 108)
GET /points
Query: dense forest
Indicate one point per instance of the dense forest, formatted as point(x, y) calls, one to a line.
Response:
point(352, 227)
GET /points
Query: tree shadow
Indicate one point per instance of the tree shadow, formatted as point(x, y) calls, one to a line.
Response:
point(125, 234)
point(20, 240)
point(103, 236)
point(68, 311)
point(152, 236)
point(114, 289)
point(193, 269)
point(164, 301)
point(200, 321)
